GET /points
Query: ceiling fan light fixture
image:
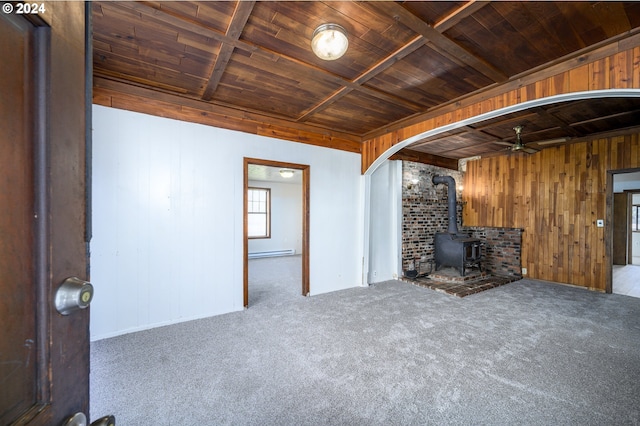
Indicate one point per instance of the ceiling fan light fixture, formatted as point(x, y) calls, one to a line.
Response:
point(518, 146)
point(286, 173)
point(329, 42)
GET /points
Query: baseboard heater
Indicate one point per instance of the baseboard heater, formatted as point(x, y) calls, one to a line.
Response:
point(272, 253)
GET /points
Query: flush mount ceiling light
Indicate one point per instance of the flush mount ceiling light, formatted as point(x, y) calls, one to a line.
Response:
point(286, 173)
point(329, 41)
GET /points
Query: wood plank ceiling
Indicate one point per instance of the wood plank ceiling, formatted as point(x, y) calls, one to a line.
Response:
point(251, 61)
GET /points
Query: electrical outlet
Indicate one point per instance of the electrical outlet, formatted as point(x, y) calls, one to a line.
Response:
point(524, 271)
point(375, 274)
point(600, 223)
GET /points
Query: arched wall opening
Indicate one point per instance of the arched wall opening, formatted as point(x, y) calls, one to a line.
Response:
point(567, 97)
point(384, 157)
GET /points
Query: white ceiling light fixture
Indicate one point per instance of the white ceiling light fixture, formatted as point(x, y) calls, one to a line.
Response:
point(287, 173)
point(329, 42)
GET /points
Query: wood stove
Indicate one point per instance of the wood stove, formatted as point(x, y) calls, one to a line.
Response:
point(458, 251)
point(452, 248)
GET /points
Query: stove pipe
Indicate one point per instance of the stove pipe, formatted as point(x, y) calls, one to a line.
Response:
point(451, 183)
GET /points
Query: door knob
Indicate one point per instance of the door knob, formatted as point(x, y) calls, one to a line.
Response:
point(79, 419)
point(72, 295)
point(105, 421)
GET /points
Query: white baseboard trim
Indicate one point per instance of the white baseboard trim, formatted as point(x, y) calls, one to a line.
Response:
point(102, 336)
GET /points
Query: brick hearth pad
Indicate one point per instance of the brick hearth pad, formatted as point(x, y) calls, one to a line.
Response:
point(463, 288)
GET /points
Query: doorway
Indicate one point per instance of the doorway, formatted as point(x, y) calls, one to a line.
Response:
point(625, 241)
point(634, 231)
point(304, 171)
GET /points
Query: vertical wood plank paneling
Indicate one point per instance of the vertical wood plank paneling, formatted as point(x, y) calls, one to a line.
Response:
point(556, 196)
point(635, 67)
point(599, 73)
point(621, 70)
point(579, 79)
point(635, 149)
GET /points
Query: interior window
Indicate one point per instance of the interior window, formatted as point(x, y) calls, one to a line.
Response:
point(635, 213)
point(259, 212)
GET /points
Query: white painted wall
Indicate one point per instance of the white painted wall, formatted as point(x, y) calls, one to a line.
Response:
point(626, 181)
point(635, 236)
point(385, 222)
point(635, 248)
point(167, 219)
point(286, 218)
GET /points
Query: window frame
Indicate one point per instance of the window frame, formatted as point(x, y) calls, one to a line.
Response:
point(267, 213)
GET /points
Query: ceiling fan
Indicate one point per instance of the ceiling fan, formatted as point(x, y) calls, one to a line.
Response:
point(518, 146)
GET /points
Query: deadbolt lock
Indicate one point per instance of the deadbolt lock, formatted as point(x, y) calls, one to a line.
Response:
point(74, 294)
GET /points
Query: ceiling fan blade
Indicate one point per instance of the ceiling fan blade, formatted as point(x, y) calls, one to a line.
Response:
point(551, 141)
point(504, 143)
point(529, 150)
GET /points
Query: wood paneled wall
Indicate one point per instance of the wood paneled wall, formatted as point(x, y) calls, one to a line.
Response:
point(556, 196)
point(613, 66)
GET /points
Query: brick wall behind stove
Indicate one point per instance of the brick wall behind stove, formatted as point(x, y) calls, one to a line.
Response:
point(501, 248)
point(424, 209)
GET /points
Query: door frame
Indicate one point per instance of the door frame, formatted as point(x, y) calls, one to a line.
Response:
point(630, 193)
point(619, 223)
point(305, 168)
point(608, 230)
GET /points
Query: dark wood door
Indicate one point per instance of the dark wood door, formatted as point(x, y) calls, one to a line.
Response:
point(620, 228)
point(44, 356)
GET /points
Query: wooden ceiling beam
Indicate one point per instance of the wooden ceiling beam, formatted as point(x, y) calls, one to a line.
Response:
point(141, 82)
point(219, 67)
point(425, 158)
point(325, 103)
point(503, 120)
point(543, 112)
point(459, 14)
point(357, 83)
point(460, 132)
point(147, 9)
point(386, 63)
point(479, 131)
point(238, 21)
point(606, 117)
point(456, 151)
point(441, 43)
